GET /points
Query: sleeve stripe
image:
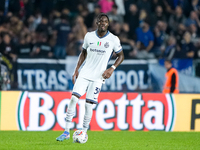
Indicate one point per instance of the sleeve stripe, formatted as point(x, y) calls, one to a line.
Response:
point(119, 51)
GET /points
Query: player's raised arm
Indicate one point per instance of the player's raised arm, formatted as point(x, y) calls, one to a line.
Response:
point(81, 59)
point(120, 57)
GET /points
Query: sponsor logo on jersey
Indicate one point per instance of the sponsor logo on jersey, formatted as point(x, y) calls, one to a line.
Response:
point(97, 50)
point(106, 45)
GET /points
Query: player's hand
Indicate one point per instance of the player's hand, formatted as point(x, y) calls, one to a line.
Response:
point(75, 76)
point(107, 73)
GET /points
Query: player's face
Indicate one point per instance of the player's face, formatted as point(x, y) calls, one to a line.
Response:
point(103, 24)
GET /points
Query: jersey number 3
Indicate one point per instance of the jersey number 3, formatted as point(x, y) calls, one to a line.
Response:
point(97, 90)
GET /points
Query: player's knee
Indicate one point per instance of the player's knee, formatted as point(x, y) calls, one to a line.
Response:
point(75, 95)
point(89, 102)
point(74, 99)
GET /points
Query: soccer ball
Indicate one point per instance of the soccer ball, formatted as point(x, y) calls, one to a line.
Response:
point(80, 136)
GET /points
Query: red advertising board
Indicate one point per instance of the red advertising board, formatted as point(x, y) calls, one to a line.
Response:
point(40, 111)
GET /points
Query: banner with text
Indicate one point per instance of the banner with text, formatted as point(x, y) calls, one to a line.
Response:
point(42, 74)
point(131, 75)
point(55, 75)
point(184, 66)
point(41, 111)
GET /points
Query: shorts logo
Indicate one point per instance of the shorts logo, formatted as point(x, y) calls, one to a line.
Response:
point(106, 45)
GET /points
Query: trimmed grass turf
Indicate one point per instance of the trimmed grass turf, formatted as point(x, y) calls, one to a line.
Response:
point(122, 140)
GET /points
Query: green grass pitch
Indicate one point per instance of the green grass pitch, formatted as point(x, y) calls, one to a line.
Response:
point(102, 140)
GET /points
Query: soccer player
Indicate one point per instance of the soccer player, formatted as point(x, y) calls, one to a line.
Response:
point(98, 47)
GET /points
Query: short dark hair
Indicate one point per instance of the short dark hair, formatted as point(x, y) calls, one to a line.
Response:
point(147, 21)
point(168, 60)
point(64, 17)
point(101, 15)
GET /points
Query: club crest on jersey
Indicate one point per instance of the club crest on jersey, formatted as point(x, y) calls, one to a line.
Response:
point(106, 45)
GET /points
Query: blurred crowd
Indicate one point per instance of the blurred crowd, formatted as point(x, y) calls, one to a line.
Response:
point(55, 29)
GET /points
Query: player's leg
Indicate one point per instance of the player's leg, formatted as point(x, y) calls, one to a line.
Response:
point(79, 89)
point(87, 116)
point(91, 98)
point(69, 115)
point(71, 111)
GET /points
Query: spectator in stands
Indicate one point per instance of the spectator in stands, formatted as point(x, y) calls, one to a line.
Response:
point(155, 3)
point(179, 33)
point(106, 5)
point(24, 31)
point(42, 49)
point(83, 10)
point(79, 30)
point(171, 48)
point(38, 17)
point(125, 28)
point(157, 16)
point(32, 23)
point(127, 4)
point(61, 32)
point(71, 46)
point(143, 15)
point(176, 19)
point(43, 27)
point(15, 25)
point(144, 4)
point(31, 38)
point(91, 17)
point(160, 38)
point(145, 41)
point(114, 16)
point(193, 19)
point(187, 49)
point(194, 36)
point(127, 45)
point(5, 78)
point(24, 49)
point(115, 27)
point(54, 18)
point(24, 17)
point(172, 79)
point(133, 20)
point(7, 48)
point(196, 6)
